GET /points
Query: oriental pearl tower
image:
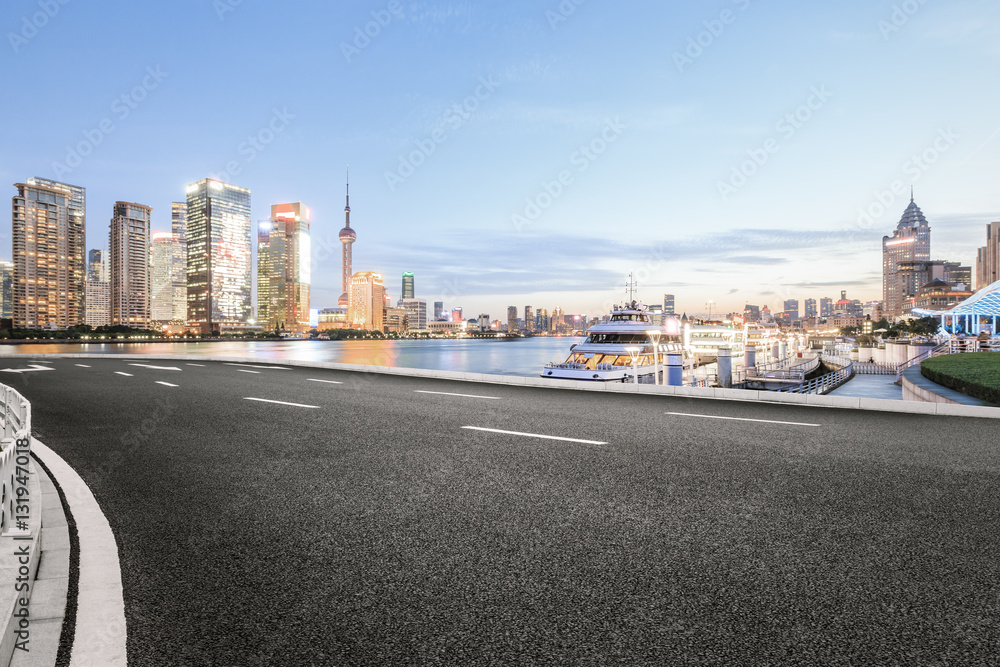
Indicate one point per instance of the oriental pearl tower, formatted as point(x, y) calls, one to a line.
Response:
point(347, 237)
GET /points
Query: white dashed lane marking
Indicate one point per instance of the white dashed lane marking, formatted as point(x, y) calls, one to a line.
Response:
point(166, 384)
point(535, 435)
point(128, 375)
point(326, 381)
point(267, 400)
point(445, 393)
point(740, 419)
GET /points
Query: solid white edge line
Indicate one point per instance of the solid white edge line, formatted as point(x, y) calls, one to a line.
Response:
point(446, 393)
point(273, 368)
point(125, 374)
point(100, 635)
point(741, 419)
point(534, 435)
point(267, 400)
point(166, 384)
point(326, 381)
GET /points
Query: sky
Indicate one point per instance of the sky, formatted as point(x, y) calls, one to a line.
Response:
point(531, 153)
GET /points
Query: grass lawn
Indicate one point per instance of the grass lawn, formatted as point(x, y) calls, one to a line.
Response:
point(976, 374)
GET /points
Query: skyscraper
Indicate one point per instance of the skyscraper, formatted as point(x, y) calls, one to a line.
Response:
point(407, 290)
point(825, 307)
point(97, 267)
point(791, 309)
point(218, 256)
point(98, 303)
point(438, 311)
point(6, 289)
point(168, 286)
point(49, 233)
point(366, 301)
point(347, 238)
point(178, 225)
point(456, 314)
point(283, 268)
point(988, 258)
point(668, 304)
point(810, 308)
point(128, 259)
point(178, 220)
point(512, 319)
point(529, 319)
point(910, 242)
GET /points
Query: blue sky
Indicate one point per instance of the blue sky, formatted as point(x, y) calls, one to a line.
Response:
point(532, 152)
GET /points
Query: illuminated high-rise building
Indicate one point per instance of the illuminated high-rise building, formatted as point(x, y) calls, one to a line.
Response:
point(347, 238)
point(910, 242)
point(49, 233)
point(97, 265)
point(219, 272)
point(438, 311)
point(178, 220)
point(529, 319)
point(512, 319)
point(416, 313)
point(988, 258)
point(283, 268)
point(6, 289)
point(128, 261)
point(168, 275)
point(456, 314)
point(810, 309)
point(366, 301)
point(826, 307)
point(98, 303)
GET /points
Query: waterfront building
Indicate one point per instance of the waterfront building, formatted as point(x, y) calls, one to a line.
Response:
point(910, 242)
point(456, 314)
point(98, 302)
point(347, 238)
point(416, 313)
point(219, 271)
point(49, 225)
point(438, 311)
point(394, 320)
point(448, 328)
point(512, 319)
point(529, 319)
point(283, 268)
point(936, 295)
point(128, 261)
point(366, 301)
point(331, 318)
point(988, 257)
point(6, 289)
point(169, 289)
point(484, 322)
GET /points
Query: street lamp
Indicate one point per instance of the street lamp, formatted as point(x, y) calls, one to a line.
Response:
point(654, 335)
point(634, 353)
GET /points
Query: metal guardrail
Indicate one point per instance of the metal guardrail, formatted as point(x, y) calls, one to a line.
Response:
point(822, 384)
point(15, 450)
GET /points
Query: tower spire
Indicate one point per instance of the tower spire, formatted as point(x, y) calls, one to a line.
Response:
point(911, 194)
point(347, 207)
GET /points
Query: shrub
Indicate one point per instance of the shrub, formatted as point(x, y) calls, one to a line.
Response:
point(975, 374)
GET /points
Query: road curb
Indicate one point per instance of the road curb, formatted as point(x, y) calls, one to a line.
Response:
point(811, 400)
point(99, 636)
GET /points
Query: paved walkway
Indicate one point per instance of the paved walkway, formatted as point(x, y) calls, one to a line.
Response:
point(870, 386)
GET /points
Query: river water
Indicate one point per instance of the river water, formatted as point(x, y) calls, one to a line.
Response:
point(504, 356)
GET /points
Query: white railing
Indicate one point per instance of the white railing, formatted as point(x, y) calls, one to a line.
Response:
point(822, 384)
point(15, 451)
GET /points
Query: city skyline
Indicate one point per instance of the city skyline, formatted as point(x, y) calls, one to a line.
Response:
point(784, 195)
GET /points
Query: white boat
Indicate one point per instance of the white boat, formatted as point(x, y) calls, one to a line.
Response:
point(605, 355)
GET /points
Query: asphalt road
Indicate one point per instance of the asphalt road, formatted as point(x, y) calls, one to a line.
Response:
point(374, 529)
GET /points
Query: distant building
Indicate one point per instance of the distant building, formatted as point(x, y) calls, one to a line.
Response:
point(484, 322)
point(542, 320)
point(456, 314)
point(407, 291)
point(219, 275)
point(97, 267)
point(128, 259)
point(438, 311)
point(791, 309)
point(529, 319)
point(511, 319)
point(765, 314)
point(98, 303)
point(169, 290)
point(6, 289)
point(910, 242)
point(416, 313)
point(347, 238)
point(331, 318)
point(810, 309)
point(284, 268)
point(988, 258)
point(394, 320)
point(936, 295)
point(751, 313)
point(366, 301)
point(668, 304)
point(825, 307)
point(49, 233)
point(448, 327)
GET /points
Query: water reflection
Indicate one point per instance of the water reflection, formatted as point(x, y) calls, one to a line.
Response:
point(517, 356)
